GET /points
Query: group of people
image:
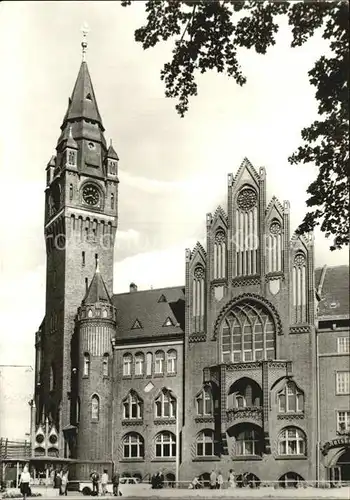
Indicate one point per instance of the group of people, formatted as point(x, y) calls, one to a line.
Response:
point(60, 480)
point(216, 481)
point(95, 478)
point(157, 480)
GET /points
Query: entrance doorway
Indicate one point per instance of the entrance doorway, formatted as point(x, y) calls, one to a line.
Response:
point(344, 465)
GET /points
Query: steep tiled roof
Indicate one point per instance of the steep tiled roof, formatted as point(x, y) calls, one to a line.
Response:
point(97, 291)
point(151, 313)
point(334, 291)
point(111, 153)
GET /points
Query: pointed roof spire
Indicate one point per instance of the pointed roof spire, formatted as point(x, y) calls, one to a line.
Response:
point(111, 152)
point(97, 291)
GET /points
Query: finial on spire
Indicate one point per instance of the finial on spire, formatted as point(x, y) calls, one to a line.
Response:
point(85, 30)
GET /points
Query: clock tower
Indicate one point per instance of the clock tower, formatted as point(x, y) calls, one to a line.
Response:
point(81, 201)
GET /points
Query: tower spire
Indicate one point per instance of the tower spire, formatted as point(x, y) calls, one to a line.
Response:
point(85, 30)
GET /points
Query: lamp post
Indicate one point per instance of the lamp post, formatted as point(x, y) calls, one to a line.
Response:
point(177, 437)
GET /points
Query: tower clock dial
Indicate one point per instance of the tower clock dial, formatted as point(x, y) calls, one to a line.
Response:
point(91, 195)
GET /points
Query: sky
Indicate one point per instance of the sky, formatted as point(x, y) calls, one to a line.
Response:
point(172, 171)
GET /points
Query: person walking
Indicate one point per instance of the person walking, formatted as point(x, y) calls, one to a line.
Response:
point(115, 482)
point(219, 481)
point(24, 483)
point(231, 479)
point(64, 482)
point(104, 482)
point(213, 480)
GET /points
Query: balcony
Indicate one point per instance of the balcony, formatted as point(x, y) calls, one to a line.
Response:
point(247, 414)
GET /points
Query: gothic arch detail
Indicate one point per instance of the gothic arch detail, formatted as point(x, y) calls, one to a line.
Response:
point(220, 254)
point(299, 287)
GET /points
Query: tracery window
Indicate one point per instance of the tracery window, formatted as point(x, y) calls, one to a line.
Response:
point(246, 241)
point(198, 292)
point(165, 444)
point(220, 254)
point(205, 443)
point(247, 334)
point(133, 445)
point(165, 405)
point(299, 285)
point(132, 406)
point(291, 441)
point(274, 247)
point(290, 399)
point(204, 402)
point(95, 407)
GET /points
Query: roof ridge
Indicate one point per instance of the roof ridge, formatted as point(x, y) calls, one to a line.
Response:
point(150, 290)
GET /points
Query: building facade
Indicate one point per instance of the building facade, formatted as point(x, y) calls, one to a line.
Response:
point(245, 367)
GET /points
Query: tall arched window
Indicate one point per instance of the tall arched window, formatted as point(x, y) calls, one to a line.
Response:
point(159, 359)
point(149, 362)
point(220, 254)
point(86, 368)
point(204, 402)
point(133, 445)
point(290, 399)
point(198, 298)
point(171, 359)
point(127, 362)
point(246, 221)
point(299, 285)
point(105, 365)
point(274, 247)
point(247, 334)
point(165, 405)
point(165, 444)
point(52, 377)
point(205, 443)
point(139, 363)
point(291, 441)
point(95, 407)
point(132, 406)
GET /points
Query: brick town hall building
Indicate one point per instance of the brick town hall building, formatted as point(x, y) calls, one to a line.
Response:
point(245, 366)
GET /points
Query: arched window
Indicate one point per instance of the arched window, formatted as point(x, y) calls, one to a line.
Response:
point(52, 377)
point(149, 361)
point(71, 158)
point(247, 334)
point(139, 363)
point(274, 247)
point(165, 405)
point(112, 201)
point(220, 254)
point(249, 442)
point(171, 359)
point(70, 192)
point(86, 368)
point(291, 441)
point(244, 393)
point(132, 406)
point(165, 445)
point(205, 443)
point(105, 365)
point(95, 407)
point(246, 223)
point(299, 286)
point(133, 445)
point(159, 362)
point(127, 361)
point(204, 402)
point(290, 399)
point(290, 480)
point(198, 297)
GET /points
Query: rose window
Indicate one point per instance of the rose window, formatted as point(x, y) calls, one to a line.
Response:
point(247, 199)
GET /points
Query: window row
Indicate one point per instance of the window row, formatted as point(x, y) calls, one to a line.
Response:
point(164, 406)
point(156, 364)
point(291, 442)
point(343, 382)
point(105, 365)
point(343, 344)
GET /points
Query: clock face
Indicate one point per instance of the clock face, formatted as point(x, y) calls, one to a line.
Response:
point(91, 195)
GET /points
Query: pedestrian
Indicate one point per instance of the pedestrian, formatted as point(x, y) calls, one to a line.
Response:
point(219, 481)
point(213, 480)
point(24, 483)
point(115, 482)
point(59, 481)
point(64, 482)
point(104, 482)
point(231, 479)
point(94, 478)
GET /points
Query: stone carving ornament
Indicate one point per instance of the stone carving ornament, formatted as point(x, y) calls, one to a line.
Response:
point(299, 260)
point(246, 199)
point(199, 272)
point(220, 236)
point(275, 228)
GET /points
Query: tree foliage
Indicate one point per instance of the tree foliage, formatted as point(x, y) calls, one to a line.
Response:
point(207, 35)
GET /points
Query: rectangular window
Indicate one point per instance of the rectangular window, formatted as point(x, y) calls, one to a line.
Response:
point(343, 345)
point(83, 259)
point(343, 421)
point(343, 382)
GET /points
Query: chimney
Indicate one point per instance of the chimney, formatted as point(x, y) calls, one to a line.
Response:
point(133, 287)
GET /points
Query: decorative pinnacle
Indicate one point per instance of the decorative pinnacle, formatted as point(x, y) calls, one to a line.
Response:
point(85, 30)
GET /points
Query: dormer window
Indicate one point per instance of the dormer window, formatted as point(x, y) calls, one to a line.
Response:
point(88, 97)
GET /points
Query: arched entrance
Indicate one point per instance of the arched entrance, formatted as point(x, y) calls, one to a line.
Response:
point(343, 463)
